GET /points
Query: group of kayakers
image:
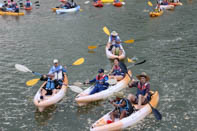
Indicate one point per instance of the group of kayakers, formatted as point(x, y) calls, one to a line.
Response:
point(165, 3)
point(12, 6)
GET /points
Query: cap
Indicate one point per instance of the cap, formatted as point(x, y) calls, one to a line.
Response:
point(55, 61)
point(101, 70)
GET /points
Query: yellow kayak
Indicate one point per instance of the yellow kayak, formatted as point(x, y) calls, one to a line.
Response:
point(155, 14)
point(11, 13)
point(109, 1)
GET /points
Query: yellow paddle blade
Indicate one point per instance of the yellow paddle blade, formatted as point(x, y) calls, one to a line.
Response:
point(129, 41)
point(105, 29)
point(80, 10)
point(91, 47)
point(79, 61)
point(130, 60)
point(149, 3)
point(32, 82)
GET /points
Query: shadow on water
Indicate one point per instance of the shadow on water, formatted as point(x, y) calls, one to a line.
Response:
point(43, 117)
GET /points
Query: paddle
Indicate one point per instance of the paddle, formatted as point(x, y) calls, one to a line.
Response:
point(72, 87)
point(156, 113)
point(91, 47)
point(34, 81)
point(139, 63)
point(106, 30)
point(149, 3)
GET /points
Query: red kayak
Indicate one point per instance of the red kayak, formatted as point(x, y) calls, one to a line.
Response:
point(28, 8)
point(98, 4)
point(117, 4)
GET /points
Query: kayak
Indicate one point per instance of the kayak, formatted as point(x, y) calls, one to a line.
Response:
point(50, 99)
point(28, 8)
point(117, 4)
point(112, 56)
point(61, 11)
point(1, 5)
point(98, 4)
point(135, 117)
point(167, 7)
point(176, 3)
point(155, 14)
point(84, 98)
point(11, 13)
point(109, 1)
point(54, 9)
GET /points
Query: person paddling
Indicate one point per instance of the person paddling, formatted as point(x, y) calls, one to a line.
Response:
point(112, 40)
point(65, 5)
point(100, 82)
point(59, 73)
point(123, 107)
point(143, 95)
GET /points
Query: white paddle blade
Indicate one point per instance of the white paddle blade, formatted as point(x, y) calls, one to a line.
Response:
point(86, 2)
point(75, 88)
point(22, 68)
point(112, 81)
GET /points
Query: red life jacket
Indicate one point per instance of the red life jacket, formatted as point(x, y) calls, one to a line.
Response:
point(142, 87)
point(100, 78)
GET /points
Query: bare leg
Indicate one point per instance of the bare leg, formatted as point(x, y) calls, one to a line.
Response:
point(123, 114)
point(112, 114)
point(119, 77)
point(131, 98)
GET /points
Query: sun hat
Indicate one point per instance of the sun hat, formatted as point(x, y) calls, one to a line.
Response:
point(55, 61)
point(114, 33)
point(119, 94)
point(143, 74)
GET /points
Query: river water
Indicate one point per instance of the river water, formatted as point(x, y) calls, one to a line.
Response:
point(168, 43)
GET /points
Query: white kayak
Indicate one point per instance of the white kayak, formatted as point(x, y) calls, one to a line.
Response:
point(112, 56)
point(84, 98)
point(50, 99)
point(1, 5)
point(61, 11)
point(102, 125)
point(167, 7)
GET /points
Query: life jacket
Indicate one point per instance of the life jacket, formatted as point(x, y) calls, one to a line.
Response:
point(50, 84)
point(101, 82)
point(57, 71)
point(28, 4)
point(113, 39)
point(141, 89)
point(117, 70)
point(127, 107)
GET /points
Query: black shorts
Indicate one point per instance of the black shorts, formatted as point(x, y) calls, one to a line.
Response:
point(49, 92)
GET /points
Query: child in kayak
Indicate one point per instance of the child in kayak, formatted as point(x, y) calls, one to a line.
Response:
point(123, 107)
point(143, 87)
point(116, 71)
point(100, 82)
point(49, 87)
point(112, 40)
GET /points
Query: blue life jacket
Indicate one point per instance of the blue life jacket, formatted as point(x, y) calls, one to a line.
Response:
point(50, 84)
point(128, 107)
